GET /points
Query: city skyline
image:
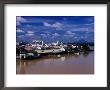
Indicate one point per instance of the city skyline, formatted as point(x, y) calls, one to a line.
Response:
point(55, 28)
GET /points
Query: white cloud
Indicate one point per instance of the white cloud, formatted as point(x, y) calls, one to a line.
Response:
point(19, 31)
point(20, 19)
point(82, 29)
point(56, 34)
point(43, 35)
point(47, 24)
point(75, 37)
point(30, 32)
point(69, 34)
point(55, 25)
point(89, 24)
point(60, 26)
point(18, 23)
point(20, 36)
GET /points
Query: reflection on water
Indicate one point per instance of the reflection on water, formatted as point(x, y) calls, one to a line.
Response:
point(78, 63)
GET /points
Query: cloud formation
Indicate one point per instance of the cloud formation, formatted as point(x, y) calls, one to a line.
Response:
point(20, 20)
point(50, 28)
point(19, 31)
point(56, 34)
point(55, 25)
point(69, 34)
point(30, 32)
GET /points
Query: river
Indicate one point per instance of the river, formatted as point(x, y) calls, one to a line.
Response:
point(78, 63)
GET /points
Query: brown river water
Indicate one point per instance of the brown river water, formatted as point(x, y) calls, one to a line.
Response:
point(82, 63)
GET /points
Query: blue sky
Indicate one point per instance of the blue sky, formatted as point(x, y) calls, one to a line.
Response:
point(53, 28)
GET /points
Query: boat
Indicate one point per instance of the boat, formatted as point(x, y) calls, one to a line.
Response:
point(27, 56)
point(50, 51)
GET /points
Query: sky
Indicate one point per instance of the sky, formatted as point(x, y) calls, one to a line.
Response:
point(55, 28)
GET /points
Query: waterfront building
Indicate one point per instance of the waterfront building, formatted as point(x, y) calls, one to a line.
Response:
point(37, 43)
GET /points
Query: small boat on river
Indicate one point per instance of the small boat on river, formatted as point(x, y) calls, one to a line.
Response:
point(50, 51)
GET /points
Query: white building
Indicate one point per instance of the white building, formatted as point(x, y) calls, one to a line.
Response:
point(37, 43)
